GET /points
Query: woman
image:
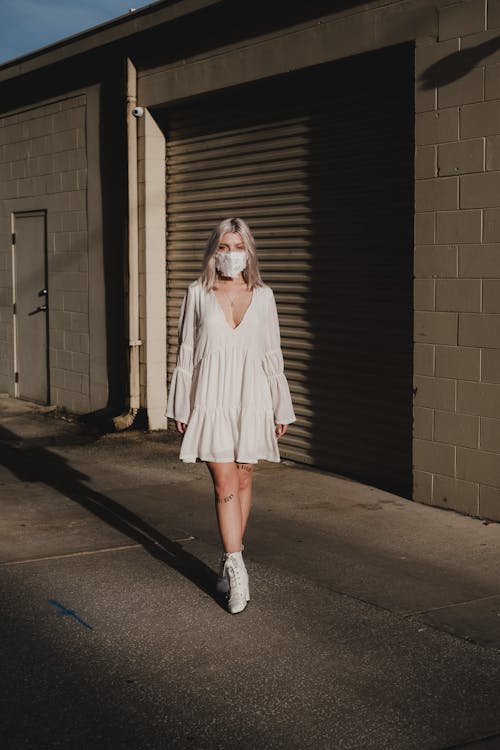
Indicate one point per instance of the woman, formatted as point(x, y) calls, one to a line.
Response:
point(229, 394)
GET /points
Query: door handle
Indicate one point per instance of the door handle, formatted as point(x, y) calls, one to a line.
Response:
point(40, 308)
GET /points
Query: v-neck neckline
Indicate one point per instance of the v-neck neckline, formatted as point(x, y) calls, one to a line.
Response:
point(223, 315)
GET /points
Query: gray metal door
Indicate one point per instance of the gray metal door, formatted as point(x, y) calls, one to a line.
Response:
point(30, 273)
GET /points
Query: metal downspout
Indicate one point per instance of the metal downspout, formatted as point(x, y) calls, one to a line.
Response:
point(126, 420)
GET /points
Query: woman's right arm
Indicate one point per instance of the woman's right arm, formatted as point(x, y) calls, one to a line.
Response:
point(179, 395)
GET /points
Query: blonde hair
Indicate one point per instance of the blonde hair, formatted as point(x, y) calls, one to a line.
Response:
point(251, 273)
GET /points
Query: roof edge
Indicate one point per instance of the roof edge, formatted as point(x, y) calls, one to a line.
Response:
point(110, 31)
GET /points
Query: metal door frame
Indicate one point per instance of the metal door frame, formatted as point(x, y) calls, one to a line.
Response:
point(14, 216)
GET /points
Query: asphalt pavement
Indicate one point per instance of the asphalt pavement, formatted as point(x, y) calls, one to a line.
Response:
point(373, 624)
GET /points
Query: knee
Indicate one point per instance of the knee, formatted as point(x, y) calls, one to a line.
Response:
point(224, 487)
point(245, 476)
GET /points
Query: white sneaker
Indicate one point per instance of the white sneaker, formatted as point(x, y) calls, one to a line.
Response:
point(222, 585)
point(235, 569)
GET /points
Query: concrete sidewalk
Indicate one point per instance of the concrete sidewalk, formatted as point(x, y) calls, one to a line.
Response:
point(374, 621)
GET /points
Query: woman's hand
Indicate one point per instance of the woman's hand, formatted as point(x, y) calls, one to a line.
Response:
point(281, 429)
point(181, 426)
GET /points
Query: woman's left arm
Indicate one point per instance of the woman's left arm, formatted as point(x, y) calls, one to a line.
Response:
point(273, 365)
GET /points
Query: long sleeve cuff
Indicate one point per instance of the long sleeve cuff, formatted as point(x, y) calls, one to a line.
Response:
point(179, 394)
point(280, 392)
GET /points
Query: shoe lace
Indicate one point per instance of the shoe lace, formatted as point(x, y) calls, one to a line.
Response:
point(234, 574)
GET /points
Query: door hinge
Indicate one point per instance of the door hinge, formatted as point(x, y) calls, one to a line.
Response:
point(16, 377)
point(13, 238)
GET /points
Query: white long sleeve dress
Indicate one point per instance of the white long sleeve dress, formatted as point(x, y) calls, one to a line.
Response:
point(229, 384)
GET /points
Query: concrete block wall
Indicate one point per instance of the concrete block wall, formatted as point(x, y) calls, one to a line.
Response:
point(43, 165)
point(456, 445)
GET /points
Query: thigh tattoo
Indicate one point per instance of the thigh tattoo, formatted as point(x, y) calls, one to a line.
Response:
point(244, 467)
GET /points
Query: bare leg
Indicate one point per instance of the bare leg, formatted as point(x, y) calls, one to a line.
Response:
point(227, 503)
point(245, 472)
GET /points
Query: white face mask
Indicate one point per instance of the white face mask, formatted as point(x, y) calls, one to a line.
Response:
point(231, 263)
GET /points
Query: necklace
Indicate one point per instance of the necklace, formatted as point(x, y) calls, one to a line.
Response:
point(229, 298)
point(227, 295)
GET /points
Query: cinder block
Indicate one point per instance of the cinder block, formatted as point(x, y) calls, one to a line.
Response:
point(57, 377)
point(77, 200)
point(458, 226)
point(460, 157)
point(434, 393)
point(462, 363)
point(439, 194)
point(435, 327)
point(77, 158)
point(478, 466)
point(81, 179)
point(60, 161)
point(66, 140)
point(489, 502)
point(79, 322)
point(422, 486)
point(480, 190)
point(435, 261)
point(63, 361)
point(490, 435)
point(69, 223)
point(480, 119)
point(423, 294)
point(59, 320)
point(491, 296)
point(490, 365)
point(487, 42)
point(458, 295)
point(436, 126)
point(61, 242)
point(465, 89)
point(57, 339)
point(18, 170)
point(81, 363)
point(85, 385)
point(456, 429)
point(482, 399)
point(423, 359)
point(68, 119)
point(69, 180)
point(491, 225)
point(79, 240)
point(38, 146)
point(479, 329)
point(479, 261)
point(492, 82)
point(422, 422)
point(425, 162)
point(493, 152)
point(84, 342)
point(27, 187)
point(37, 127)
point(424, 228)
point(76, 301)
point(73, 381)
point(493, 19)
point(433, 457)
point(449, 492)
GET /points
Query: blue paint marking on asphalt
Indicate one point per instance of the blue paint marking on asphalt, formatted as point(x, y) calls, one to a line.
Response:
point(71, 612)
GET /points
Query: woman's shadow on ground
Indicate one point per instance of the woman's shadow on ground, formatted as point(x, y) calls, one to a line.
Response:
point(31, 462)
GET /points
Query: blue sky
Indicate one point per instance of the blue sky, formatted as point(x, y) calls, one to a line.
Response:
point(27, 25)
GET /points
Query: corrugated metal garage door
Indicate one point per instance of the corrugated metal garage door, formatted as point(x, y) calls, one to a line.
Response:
point(320, 165)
